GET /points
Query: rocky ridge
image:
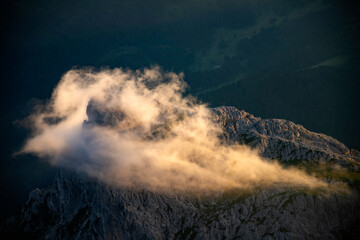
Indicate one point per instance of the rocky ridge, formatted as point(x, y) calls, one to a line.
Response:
point(282, 139)
point(77, 207)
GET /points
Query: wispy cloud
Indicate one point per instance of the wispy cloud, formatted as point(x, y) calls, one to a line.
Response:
point(135, 128)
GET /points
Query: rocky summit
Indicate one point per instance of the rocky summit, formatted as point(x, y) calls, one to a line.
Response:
point(79, 207)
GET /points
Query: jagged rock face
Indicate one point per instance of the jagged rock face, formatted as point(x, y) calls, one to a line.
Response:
point(77, 207)
point(281, 139)
point(80, 208)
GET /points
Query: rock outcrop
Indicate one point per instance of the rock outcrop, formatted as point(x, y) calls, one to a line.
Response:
point(281, 139)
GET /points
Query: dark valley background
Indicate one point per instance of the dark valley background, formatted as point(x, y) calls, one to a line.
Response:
point(295, 60)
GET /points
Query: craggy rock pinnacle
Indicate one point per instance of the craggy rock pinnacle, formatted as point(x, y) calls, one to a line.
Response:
point(78, 207)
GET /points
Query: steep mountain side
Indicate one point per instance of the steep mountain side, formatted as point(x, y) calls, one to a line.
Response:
point(78, 207)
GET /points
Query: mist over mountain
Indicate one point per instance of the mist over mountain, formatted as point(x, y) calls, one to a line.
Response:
point(77, 206)
point(295, 60)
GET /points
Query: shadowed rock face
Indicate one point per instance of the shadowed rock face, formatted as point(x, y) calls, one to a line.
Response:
point(77, 207)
